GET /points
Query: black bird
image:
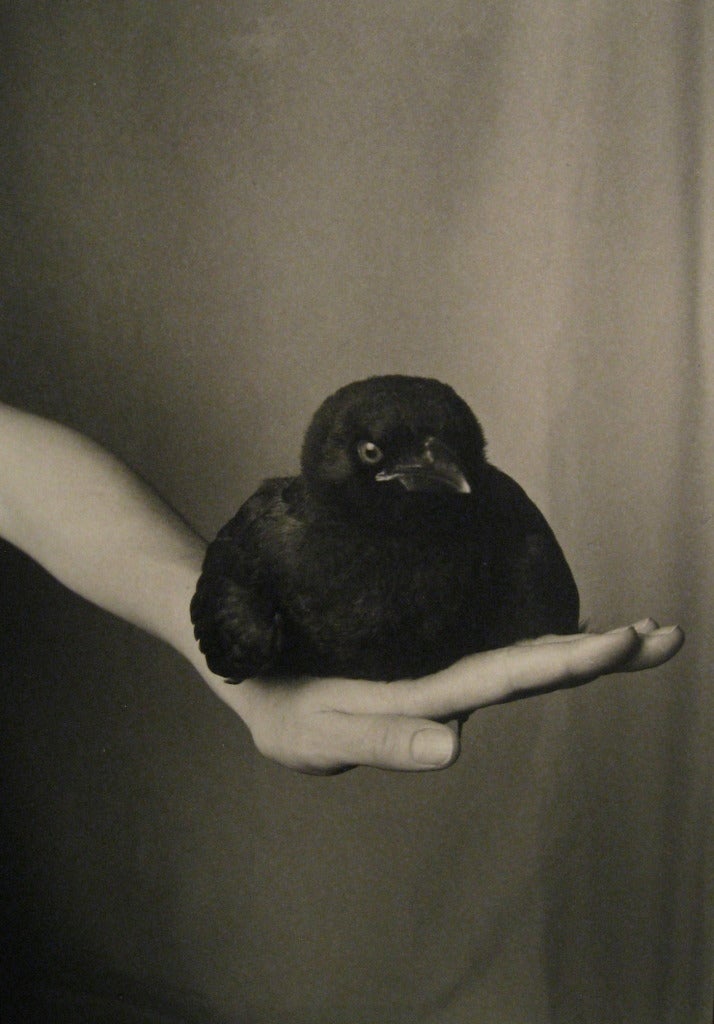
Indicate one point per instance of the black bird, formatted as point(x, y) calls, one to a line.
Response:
point(396, 551)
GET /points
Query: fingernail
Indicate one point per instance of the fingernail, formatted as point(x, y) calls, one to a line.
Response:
point(433, 746)
point(645, 625)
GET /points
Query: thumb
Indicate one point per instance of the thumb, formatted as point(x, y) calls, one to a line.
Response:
point(393, 741)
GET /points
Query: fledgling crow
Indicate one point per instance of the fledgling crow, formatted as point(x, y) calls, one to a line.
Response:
point(396, 551)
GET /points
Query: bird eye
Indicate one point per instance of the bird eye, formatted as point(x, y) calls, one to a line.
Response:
point(369, 453)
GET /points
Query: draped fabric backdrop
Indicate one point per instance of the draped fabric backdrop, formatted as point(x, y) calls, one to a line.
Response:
point(215, 213)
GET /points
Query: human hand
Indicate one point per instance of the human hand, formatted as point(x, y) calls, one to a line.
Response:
point(323, 726)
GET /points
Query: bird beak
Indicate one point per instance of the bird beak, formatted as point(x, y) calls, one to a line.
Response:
point(435, 469)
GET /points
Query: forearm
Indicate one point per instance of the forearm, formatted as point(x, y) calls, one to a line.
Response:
point(96, 527)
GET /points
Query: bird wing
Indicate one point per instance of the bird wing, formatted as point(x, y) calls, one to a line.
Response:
point(234, 609)
point(535, 592)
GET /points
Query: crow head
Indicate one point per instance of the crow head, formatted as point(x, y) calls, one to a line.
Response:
point(391, 446)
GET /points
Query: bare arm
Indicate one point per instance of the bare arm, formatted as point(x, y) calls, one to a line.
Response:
point(84, 516)
point(98, 529)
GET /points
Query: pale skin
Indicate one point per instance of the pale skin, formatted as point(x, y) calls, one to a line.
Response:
point(84, 516)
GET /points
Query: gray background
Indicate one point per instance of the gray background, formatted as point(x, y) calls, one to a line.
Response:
point(216, 213)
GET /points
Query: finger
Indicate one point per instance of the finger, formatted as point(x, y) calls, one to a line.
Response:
point(496, 676)
point(383, 741)
point(657, 646)
point(643, 627)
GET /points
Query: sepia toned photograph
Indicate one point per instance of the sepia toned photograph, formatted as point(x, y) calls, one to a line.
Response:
point(357, 512)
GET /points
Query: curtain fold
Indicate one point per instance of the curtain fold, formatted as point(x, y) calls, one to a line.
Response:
point(217, 213)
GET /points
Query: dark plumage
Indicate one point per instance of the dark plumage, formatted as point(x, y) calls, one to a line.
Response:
point(397, 550)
